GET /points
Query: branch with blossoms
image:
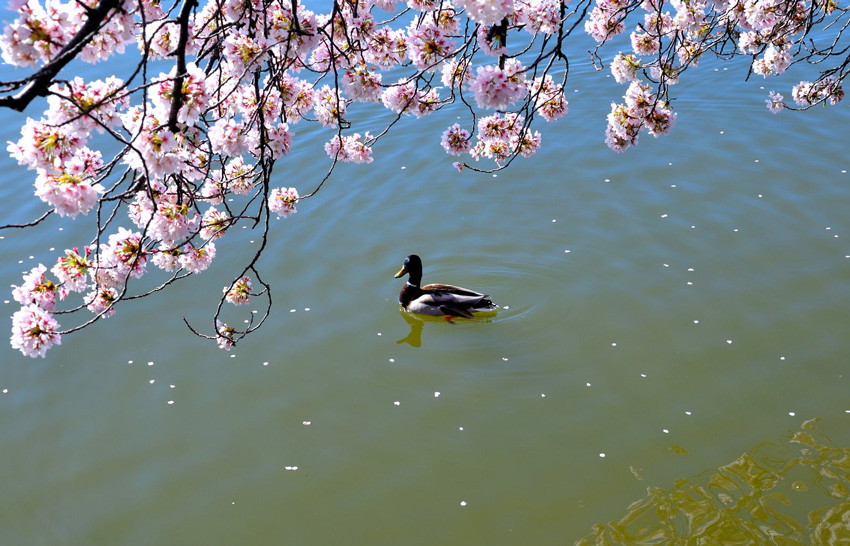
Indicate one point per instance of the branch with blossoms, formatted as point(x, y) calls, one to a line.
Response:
point(169, 163)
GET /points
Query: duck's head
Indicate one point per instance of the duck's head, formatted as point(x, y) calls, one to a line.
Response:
point(412, 266)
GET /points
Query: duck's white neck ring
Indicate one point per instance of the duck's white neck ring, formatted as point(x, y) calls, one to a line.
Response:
point(411, 284)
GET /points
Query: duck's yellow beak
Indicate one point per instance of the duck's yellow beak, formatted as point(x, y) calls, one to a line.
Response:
point(401, 272)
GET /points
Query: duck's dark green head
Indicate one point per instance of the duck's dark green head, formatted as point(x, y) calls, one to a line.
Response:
point(413, 267)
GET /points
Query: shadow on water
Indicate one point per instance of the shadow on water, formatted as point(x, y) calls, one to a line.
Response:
point(759, 498)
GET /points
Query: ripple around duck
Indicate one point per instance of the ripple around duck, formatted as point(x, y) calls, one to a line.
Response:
point(526, 281)
point(523, 290)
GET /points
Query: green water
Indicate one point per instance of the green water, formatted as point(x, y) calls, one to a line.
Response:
point(676, 308)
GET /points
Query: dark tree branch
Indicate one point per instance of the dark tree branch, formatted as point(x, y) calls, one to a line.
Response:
point(180, 52)
point(29, 224)
point(39, 82)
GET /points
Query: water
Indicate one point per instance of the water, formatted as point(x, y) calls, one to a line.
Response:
point(669, 312)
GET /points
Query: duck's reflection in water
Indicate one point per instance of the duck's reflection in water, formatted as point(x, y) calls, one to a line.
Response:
point(417, 324)
point(414, 338)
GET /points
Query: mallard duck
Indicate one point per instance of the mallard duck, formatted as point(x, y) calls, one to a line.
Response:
point(438, 299)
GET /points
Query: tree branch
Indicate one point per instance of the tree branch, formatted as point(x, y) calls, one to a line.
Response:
point(180, 51)
point(41, 80)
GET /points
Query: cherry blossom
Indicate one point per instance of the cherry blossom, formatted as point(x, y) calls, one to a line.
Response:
point(124, 255)
point(605, 20)
point(214, 223)
point(197, 259)
point(158, 38)
point(486, 12)
point(362, 84)
point(498, 127)
point(455, 74)
point(43, 144)
point(402, 97)
point(88, 106)
point(490, 42)
point(328, 105)
point(426, 103)
point(427, 46)
point(194, 94)
point(38, 290)
point(244, 50)
point(350, 149)
point(71, 270)
point(227, 137)
point(101, 300)
point(775, 61)
point(225, 335)
point(526, 143)
point(387, 47)
point(34, 331)
point(36, 34)
point(240, 292)
point(542, 16)
point(456, 140)
point(166, 257)
point(69, 194)
point(297, 96)
point(624, 68)
point(171, 222)
point(238, 176)
point(807, 93)
point(282, 201)
point(775, 102)
point(494, 87)
point(549, 98)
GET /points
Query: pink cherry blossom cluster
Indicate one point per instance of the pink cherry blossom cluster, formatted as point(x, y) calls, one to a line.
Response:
point(624, 67)
point(641, 110)
point(72, 269)
point(606, 20)
point(825, 90)
point(282, 201)
point(406, 98)
point(362, 84)
point(486, 12)
point(775, 102)
point(456, 140)
point(350, 148)
point(87, 106)
point(226, 335)
point(774, 61)
point(428, 45)
point(542, 16)
point(214, 223)
point(71, 189)
point(501, 137)
point(38, 290)
point(549, 98)
point(498, 88)
point(34, 330)
point(240, 292)
point(194, 92)
point(101, 301)
point(40, 31)
point(668, 41)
